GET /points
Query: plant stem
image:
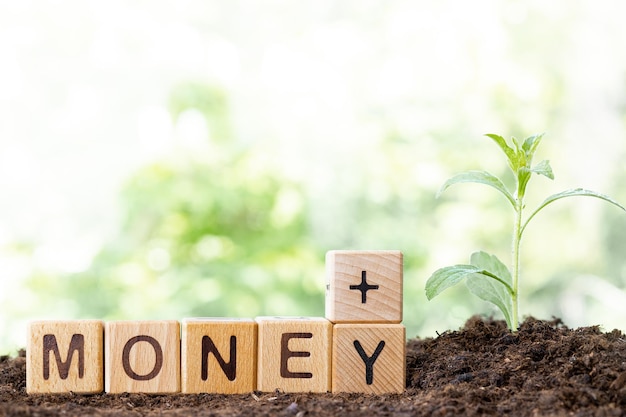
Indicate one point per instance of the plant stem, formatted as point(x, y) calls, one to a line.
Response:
point(517, 237)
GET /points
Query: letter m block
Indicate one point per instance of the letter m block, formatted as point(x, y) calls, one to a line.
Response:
point(64, 356)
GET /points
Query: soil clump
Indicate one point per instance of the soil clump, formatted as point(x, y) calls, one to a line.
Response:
point(545, 369)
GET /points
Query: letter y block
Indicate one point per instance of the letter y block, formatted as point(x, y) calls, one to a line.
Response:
point(369, 358)
point(64, 356)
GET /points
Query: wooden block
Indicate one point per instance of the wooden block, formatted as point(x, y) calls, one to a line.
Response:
point(369, 358)
point(64, 356)
point(364, 286)
point(218, 355)
point(294, 354)
point(142, 356)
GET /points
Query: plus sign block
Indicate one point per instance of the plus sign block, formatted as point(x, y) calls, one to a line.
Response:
point(64, 356)
point(368, 358)
point(364, 286)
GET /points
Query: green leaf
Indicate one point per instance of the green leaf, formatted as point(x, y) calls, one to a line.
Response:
point(531, 143)
point(510, 153)
point(544, 168)
point(570, 193)
point(480, 177)
point(449, 276)
point(484, 261)
point(446, 277)
point(493, 291)
point(495, 288)
point(487, 278)
point(523, 176)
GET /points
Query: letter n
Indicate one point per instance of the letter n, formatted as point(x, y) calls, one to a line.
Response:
point(229, 368)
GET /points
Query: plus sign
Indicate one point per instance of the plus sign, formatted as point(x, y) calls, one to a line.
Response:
point(363, 287)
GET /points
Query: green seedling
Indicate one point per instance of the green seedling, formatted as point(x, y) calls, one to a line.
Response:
point(486, 276)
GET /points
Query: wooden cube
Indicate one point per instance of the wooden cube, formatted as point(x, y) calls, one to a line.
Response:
point(368, 358)
point(218, 355)
point(364, 286)
point(294, 354)
point(142, 356)
point(64, 356)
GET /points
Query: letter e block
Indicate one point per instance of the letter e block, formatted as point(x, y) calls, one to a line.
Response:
point(64, 356)
point(364, 286)
point(368, 358)
point(294, 354)
point(142, 356)
point(218, 355)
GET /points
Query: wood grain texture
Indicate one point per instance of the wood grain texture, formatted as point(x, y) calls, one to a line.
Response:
point(218, 355)
point(142, 356)
point(65, 356)
point(364, 286)
point(294, 354)
point(369, 358)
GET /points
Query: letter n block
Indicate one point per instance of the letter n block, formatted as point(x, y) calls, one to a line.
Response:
point(364, 286)
point(294, 354)
point(142, 356)
point(368, 358)
point(218, 355)
point(64, 356)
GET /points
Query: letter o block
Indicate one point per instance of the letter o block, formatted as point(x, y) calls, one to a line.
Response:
point(64, 356)
point(142, 356)
point(369, 358)
point(294, 354)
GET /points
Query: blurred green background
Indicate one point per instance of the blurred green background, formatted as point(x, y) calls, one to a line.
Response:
point(198, 158)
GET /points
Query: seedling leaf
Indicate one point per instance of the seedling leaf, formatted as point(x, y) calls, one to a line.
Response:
point(530, 145)
point(444, 278)
point(480, 177)
point(491, 263)
point(493, 291)
point(523, 176)
point(544, 168)
point(449, 276)
point(577, 192)
point(508, 151)
point(495, 288)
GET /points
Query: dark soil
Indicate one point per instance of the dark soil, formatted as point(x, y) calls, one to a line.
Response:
point(545, 369)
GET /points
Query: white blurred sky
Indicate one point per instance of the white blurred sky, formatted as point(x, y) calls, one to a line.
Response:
point(84, 88)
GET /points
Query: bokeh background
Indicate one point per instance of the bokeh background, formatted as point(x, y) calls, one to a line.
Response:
point(164, 159)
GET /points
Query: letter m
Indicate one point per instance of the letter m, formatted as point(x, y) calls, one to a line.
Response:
point(50, 346)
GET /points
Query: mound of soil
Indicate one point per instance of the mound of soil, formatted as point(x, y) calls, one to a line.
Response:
point(483, 369)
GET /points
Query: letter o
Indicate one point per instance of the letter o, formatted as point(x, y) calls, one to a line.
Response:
point(158, 364)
